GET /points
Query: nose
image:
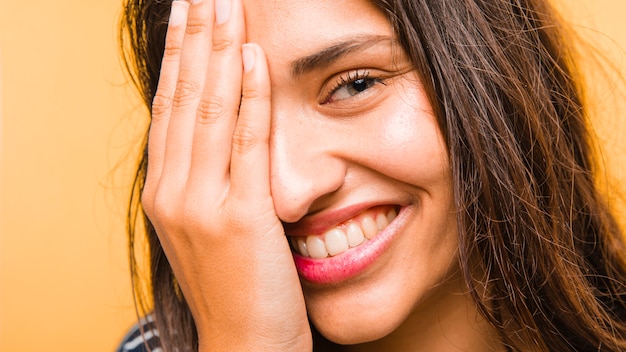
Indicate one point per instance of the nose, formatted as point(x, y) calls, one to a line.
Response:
point(304, 164)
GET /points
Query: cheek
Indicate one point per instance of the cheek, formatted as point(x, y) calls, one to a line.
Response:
point(409, 146)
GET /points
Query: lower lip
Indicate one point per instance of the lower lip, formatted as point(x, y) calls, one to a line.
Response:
point(342, 267)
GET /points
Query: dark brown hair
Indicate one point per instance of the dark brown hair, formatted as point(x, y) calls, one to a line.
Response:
point(541, 253)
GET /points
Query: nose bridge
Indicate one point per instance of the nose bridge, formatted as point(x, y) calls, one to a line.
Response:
point(302, 164)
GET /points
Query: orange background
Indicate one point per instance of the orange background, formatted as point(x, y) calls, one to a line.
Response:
point(70, 125)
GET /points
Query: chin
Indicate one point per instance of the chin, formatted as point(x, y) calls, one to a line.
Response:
point(382, 305)
point(365, 311)
point(355, 329)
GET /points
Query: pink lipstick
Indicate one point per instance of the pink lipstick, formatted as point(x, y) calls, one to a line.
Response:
point(356, 254)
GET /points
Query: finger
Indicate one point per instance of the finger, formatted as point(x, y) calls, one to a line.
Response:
point(219, 107)
point(162, 102)
point(250, 145)
point(194, 62)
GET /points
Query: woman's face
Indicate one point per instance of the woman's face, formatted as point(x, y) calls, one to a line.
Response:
point(359, 171)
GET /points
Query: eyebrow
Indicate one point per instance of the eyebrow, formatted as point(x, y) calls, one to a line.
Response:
point(335, 52)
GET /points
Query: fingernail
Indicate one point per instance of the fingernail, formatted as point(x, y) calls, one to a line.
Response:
point(222, 11)
point(177, 15)
point(248, 56)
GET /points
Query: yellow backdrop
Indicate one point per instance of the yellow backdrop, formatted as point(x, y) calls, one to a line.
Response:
point(68, 121)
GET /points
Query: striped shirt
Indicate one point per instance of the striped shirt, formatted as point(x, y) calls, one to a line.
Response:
point(136, 341)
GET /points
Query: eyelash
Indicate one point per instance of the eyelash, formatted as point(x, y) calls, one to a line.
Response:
point(349, 78)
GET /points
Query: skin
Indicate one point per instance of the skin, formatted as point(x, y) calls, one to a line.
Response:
point(236, 156)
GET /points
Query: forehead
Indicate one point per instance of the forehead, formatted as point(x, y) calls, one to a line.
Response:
point(292, 28)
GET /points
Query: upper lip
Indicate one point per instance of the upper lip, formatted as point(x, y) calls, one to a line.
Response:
point(319, 223)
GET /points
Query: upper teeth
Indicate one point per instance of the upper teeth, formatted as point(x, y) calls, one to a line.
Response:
point(344, 236)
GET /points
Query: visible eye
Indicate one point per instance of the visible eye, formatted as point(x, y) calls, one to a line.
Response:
point(351, 84)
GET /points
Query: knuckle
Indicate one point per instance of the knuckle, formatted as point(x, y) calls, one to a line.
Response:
point(170, 217)
point(147, 202)
point(161, 106)
point(172, 50)
point(252, 93)
point(222, 44)
point(162, 209)
point(212, 110)
point(187, 91)
point(244, 138)
point(195, 26)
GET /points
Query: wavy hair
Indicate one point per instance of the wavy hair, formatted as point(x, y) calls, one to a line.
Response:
point(541, 254)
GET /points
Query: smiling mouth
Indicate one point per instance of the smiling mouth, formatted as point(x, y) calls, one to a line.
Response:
point(349, 234)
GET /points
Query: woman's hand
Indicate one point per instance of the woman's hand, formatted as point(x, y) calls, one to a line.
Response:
point(207, 190)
